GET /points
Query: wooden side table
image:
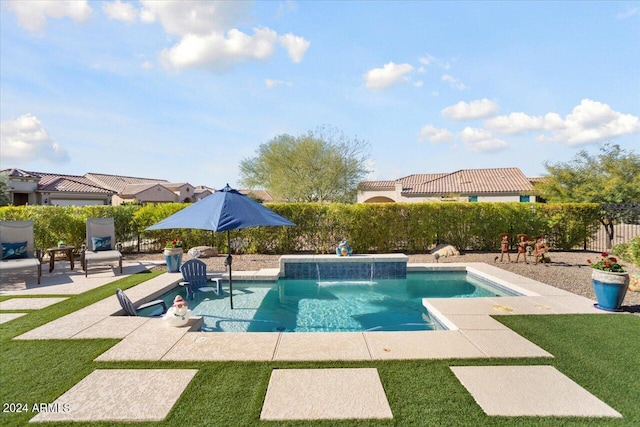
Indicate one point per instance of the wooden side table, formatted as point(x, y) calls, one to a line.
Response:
point(68, 250)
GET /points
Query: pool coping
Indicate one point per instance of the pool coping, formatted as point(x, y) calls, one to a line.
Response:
point(472, 332)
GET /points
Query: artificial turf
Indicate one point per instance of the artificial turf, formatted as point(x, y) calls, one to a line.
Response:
point(599, 352)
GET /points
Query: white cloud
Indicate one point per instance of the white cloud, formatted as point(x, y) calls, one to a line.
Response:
point(270, 83)
point(453, 82)
point(479, 140)
point(429, 60)
point(472, 110)
point(32, 15)
point(521, 122)
point(209, 37)
point(389, 74)
point(183, 18)
point(120, 11)
point(25, 139)
point(435, 135)
point(219, 51)
point(296, 46)
point(628, 13)
point(591, 121)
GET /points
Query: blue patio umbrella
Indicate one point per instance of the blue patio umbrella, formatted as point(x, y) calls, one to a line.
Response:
point(224, 210)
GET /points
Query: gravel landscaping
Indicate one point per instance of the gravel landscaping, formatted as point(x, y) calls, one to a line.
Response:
point(567, 270)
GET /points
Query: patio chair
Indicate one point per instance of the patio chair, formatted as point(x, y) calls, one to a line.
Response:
point(101, 237)
point(194, 273)
point(132, 310)
point(17, 247)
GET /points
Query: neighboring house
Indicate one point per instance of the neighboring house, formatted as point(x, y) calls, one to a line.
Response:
point(468, 185)
point(200, 192)
point(145, 193)
point(38, 188)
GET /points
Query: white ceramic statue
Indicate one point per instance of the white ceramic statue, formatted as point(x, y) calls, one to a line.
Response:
point(178, 314)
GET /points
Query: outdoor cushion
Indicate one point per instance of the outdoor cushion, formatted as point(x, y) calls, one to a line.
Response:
point(14, 250)
point(101, 243)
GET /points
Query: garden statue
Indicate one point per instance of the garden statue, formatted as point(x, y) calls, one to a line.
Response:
point(343, 249)
point(523, 242)
point(539, 250)
point(178, 314)
point(504, 246)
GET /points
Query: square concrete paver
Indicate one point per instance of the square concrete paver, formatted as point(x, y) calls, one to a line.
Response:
point(323, 346)
point(28, 303)
point(315, 394)
point(515, 391)
point(420, 345)
point(5, 317)
point(121, 395)
point(213, 346)
point(504, 343)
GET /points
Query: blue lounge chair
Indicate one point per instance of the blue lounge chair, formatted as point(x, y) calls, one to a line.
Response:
point(194, 273)
point(132, 310)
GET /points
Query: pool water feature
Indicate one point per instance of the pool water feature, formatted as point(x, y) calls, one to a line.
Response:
point(340, 305)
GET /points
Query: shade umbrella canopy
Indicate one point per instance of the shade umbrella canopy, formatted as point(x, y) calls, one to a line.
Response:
point(224, 210)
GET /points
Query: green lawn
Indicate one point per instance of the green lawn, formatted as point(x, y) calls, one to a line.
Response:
point(600, 352)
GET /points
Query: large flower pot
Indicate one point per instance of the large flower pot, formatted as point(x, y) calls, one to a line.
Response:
point(610, 289)
point(173, 258)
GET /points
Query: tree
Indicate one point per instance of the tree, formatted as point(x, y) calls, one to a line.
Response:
point(611, 177)
point(4, 191)
point(318, 166)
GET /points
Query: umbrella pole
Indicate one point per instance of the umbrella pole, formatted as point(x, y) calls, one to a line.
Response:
point(229, 261)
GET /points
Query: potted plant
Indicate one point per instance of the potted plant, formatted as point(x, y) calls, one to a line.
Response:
point(610, 282)
point(173, 254)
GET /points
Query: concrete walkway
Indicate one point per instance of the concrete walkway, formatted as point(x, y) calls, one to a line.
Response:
point(471, 333)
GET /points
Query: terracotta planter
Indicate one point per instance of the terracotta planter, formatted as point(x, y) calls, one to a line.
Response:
point(173, 258)
point(610, 289)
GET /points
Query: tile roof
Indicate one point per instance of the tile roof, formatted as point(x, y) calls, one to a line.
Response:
point(118, 183)
point(377, 185)
point(474, 181)
point(18, 173)
point(49, 182)
point(133, 189)
point(464, 181)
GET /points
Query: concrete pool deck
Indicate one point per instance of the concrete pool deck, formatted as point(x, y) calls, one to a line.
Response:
point(472, 334)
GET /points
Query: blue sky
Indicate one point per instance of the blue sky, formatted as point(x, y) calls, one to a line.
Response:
point(186, 90)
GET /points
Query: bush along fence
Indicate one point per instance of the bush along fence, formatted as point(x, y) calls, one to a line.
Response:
point(369, 228)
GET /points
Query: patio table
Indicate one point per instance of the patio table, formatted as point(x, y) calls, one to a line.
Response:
point(68, 250)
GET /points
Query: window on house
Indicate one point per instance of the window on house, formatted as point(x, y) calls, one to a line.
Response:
point(524, 199)
point(473, 198)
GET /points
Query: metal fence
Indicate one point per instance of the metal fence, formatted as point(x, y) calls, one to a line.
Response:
point(626, 226)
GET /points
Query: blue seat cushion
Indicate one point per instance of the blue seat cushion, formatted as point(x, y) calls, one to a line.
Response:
point(14, 250)
point(101, 243)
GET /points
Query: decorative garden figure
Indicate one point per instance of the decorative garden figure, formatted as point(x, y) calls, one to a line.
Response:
point(539, 250)
point(504, 246)
point(343, 249)
point(523, 242)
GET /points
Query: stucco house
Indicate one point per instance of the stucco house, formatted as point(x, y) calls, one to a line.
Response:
point(38, 188)
point(465, 185)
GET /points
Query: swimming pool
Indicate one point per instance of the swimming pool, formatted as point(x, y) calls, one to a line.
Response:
point(300, 305)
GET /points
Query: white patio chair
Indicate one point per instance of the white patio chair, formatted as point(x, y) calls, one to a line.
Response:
point(100, 246)
point(17, 247)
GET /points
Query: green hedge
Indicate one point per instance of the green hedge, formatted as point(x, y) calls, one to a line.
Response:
point(387, 227)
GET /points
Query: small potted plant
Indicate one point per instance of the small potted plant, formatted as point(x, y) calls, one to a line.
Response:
point(610, 282)
point(173, 254)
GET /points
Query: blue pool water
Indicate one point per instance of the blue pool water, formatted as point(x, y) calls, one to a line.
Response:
point(333, 306)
